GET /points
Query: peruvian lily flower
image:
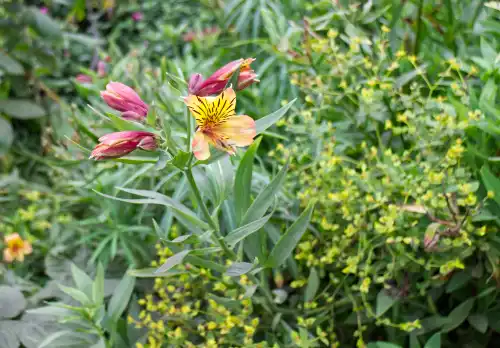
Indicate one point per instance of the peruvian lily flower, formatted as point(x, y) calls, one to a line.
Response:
point(123, 98)
point(216, 83)
point(15, 248)
point(218, 125)
point(119, 144)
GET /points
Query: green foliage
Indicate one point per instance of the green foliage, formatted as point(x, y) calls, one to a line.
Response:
point(365, 214)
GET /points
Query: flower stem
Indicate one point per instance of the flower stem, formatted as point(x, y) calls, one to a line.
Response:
point(188, 133)
point(206, 213)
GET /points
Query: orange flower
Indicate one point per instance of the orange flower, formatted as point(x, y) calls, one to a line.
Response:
point(218, 125)
point(15, 248)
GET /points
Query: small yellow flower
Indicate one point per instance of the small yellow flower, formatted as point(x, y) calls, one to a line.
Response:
point(385, 29)
point(217, 124)
point(15, 248)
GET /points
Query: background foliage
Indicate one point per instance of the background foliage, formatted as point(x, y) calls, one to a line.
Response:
point(393, 137)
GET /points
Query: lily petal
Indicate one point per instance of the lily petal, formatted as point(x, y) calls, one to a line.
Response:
point(200, 146)
point(238, 130)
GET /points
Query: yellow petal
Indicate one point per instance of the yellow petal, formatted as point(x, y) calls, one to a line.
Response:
point(209, 113)
point(200, 146)
point(237, 130)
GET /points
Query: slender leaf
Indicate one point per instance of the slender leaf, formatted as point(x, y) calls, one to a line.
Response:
point(243, 181)
point(289, 240)
point(121, 297)
point(267, 121)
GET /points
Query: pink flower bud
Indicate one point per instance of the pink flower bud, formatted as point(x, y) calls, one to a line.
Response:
point(44, 10)
point(101, 68)
point(216, 83)
point(137, 16)
point(82, 78)
point(119, 144)
point(123, 98)
point(194, 82)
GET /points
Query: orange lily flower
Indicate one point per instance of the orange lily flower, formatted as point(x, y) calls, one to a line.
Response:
point(217, 124)
point(16, 248)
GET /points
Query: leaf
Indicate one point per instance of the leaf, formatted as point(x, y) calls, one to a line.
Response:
point(23, 109)
point(488, 52)
point(491, 182)
point(10, 65)
point(81, 279)
point(287, 243)
point(157, 198)
point(45, 25)
point(6, 135)
point(267, 121)
point(243, 181)
point(384, 302)
point(75, 294)
point(381, 344)
point(312, 285)
point(181, 159)
point(173, 261)
point(238, 268)
point(265, 198)
point(12, 302)
point(407, 77)
point(242, 232)
point(8, 336)
point(121, 297)
point(458, 315)
point(434, 341)
point(150, 273)
point(98, 286)
point(478, 322)
point(458, 280)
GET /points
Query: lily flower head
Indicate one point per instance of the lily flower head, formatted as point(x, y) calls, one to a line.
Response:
point(119, 144)
point(218, 124)
point(216, 83)
point(15, 248)
point(123, 98)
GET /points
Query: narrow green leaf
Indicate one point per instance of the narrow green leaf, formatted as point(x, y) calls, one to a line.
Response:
point(238, 268)
point(10, 65)
point(457, 281)
point(121, 297)
point(173, 261)
point(244, 231)
point(6, 135)
point(384, 302)
point(243, 181)
point(407, 77)
point(478, 322)
point(151, 273)
point(458, 315)
point(75, 294)
point(287, 243)
point(491, 182)
point(157, 198)
point(23, 109)
point(267, 121)
point(45, 25)
point(265, 198)
point(98, 286)
point(434, 341)
point(312, 285)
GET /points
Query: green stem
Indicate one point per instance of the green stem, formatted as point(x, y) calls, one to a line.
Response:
point(419, 24)
point(206, 213)
point(188, 133)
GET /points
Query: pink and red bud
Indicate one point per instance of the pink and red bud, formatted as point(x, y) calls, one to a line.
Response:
point(119, 144)
point(82, 78)
point(137, 16)
point(216, 83)
point(123, 98)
